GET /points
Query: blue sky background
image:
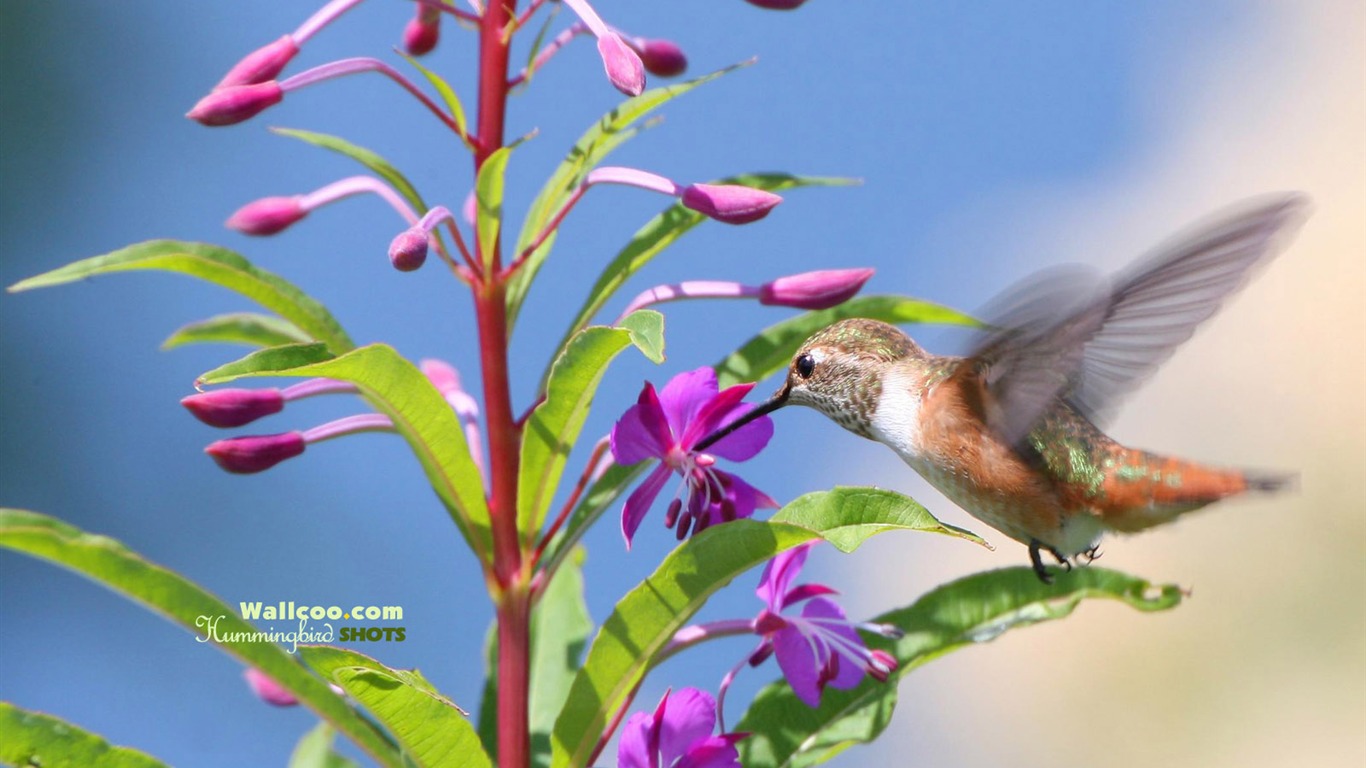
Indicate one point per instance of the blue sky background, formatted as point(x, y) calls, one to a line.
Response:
point(992, 138)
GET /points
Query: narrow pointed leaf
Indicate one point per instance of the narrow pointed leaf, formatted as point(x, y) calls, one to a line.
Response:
point(863, 512)
point(538, 42)
point(608, 133)
point(36, 739)
point(250, 328)
point(666, 228)
point(429, 728)
point(445, 90)
point(368, 158)
point(976, 609)
point(554, 426)
point(115, 566)
point(216, 265)
point(772, 349)
point(488, 195)
point(396, 388)
point(649, 615)
point(315, 750)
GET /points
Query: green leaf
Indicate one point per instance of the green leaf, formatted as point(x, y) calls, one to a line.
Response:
point(36, 739)
point(216, 265)
point(863, 512)
point(115, 566)
point(396, 388)
point(554, 426)
point(537, 43)
point(975, 609)
point(559, 632)
point(663, 230)
point(488, 194)
point(649, 615)
point(772, 349)
point(647, 333)
point(314, 750)
point(365, 157)
point(250, 328)
point(447, 93)
point(429, 728)
point(608, 133)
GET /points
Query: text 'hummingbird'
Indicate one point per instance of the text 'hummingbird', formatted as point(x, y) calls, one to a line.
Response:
point(1009, 432)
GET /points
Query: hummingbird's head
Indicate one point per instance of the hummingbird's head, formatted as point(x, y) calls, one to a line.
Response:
point(838, 371)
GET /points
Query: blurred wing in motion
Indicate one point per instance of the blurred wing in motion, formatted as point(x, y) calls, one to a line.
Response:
point(1068, 334)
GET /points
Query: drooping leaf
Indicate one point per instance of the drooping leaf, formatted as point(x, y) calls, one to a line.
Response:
point(862, 512)
point(447, 93)
point(250, 328)
point(608, 133)
point(488, 195)
point(396, 388)
point(649, 615)
point(666, 228)
point(216, 265)
point(115, 566)
point(772, 350)
point(315, 750)
point(646, 327)
point(429, 728)
point(36, 739)
point(976, 609)
point(559, 632)
point(368, 158)
point(554, 426)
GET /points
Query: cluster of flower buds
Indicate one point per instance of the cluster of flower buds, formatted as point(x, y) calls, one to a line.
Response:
point(234, 407)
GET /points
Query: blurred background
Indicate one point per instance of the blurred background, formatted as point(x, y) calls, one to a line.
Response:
point(992, 139)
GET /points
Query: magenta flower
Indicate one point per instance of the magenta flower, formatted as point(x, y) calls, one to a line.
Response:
point(665, 426)
point(624, 67)
point(660, 57)
point(678, 734)
point(236, 407)
point(820, 646)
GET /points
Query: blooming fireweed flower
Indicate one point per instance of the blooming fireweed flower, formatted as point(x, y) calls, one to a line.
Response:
point(820, 646)
point(677, 735)
point(665, 426)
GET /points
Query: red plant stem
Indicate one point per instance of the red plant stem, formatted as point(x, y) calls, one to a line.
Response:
point(545, 233)
point(512, 599)
point(616, 721)
point(569, 503)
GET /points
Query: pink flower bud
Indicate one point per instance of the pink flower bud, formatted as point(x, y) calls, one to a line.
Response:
point(262, 64)
point(267, 689)
point(234, 407)
point(409, 249)
point(814, 290)
point(730, 203)
point(232, 105)
point(422, 32)
point(267, 215)
point(245, 455)
point(623, 66)
point(662, 57)
point(777, 5)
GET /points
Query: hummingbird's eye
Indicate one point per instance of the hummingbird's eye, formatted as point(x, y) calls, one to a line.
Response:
point(805, 365)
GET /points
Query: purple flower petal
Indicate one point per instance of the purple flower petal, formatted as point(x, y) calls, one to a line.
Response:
point(713, 752)
point(654, 416)
point(685, 395)
point(640, 501)
point(779, 574)
point(632, 441)
point(806, 592)
point(633, 750)
point(744, 443)
point(713, 412)
point(689, 716)
point(745, 497)
point(801, 661)
point(850, 672)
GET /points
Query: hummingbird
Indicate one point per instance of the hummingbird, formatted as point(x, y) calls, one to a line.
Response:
point(1013, 432)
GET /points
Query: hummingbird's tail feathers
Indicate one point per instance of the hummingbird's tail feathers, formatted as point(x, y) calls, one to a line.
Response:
point(1141, 490)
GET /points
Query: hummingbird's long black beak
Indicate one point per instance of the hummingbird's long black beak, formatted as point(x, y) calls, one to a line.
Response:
point(778, 400)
